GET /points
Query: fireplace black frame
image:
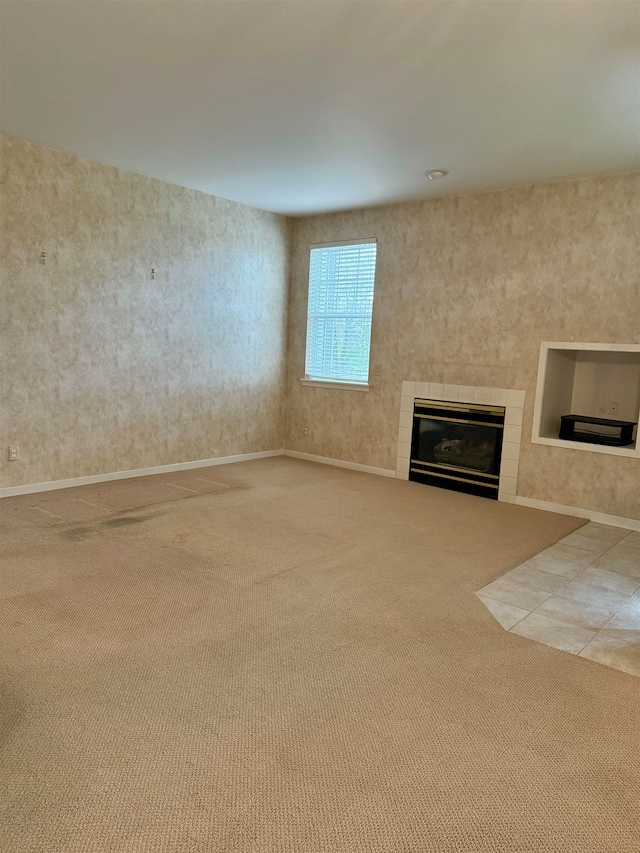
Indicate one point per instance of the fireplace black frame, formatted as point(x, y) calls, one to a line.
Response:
point(445, 475)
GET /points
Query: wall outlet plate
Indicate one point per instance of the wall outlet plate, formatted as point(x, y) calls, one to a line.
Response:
point(14, 452)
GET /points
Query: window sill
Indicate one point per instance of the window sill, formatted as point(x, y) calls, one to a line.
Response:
point(335, 383)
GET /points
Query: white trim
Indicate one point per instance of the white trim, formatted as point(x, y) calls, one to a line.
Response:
point(51, 485)
point(32, 488)
point(578, 512)
point(583, 445)
point(586, 346)
point(339, 463)
point(335, 383)
point(540, 380)
point(342, 243)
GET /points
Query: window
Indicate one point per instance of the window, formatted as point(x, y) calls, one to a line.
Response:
point(341, 279)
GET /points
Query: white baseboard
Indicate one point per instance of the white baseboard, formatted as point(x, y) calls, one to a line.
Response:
point(32, 488)
point(578, 512)
point(339, 463)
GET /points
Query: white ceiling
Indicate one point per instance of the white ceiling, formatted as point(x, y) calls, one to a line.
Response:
point(306, 106)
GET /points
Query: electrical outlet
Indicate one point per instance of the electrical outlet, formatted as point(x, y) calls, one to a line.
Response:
point(602, 407)
point(14, 452)
point(613, 407)
point(306, 430)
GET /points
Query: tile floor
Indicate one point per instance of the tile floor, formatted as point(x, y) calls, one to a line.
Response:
point(582, 595)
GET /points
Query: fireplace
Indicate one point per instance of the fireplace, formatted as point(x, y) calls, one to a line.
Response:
point(511, 399)
point(457, 446)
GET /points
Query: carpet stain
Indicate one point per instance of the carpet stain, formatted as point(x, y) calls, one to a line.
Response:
point(78, 534)
point(11, 712)
point(124, 521)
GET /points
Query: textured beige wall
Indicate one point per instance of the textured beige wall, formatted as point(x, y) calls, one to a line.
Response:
point(466, 290)
point(106, 370)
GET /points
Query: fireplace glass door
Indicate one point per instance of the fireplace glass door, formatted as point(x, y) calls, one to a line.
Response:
point(457, 446)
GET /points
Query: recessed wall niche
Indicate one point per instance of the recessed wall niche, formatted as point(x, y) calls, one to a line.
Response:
point(581, 379)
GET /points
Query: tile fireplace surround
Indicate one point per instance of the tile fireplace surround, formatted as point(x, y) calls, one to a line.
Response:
point(510, 398)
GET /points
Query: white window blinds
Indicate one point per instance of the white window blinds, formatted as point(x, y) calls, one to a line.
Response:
point(341, 282)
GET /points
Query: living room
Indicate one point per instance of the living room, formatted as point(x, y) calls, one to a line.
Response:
point(167, 170)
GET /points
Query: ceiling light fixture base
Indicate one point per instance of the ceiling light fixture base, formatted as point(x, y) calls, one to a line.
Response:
point(436, 174)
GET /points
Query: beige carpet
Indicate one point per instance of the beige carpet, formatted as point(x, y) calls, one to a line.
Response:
point(295, 662)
